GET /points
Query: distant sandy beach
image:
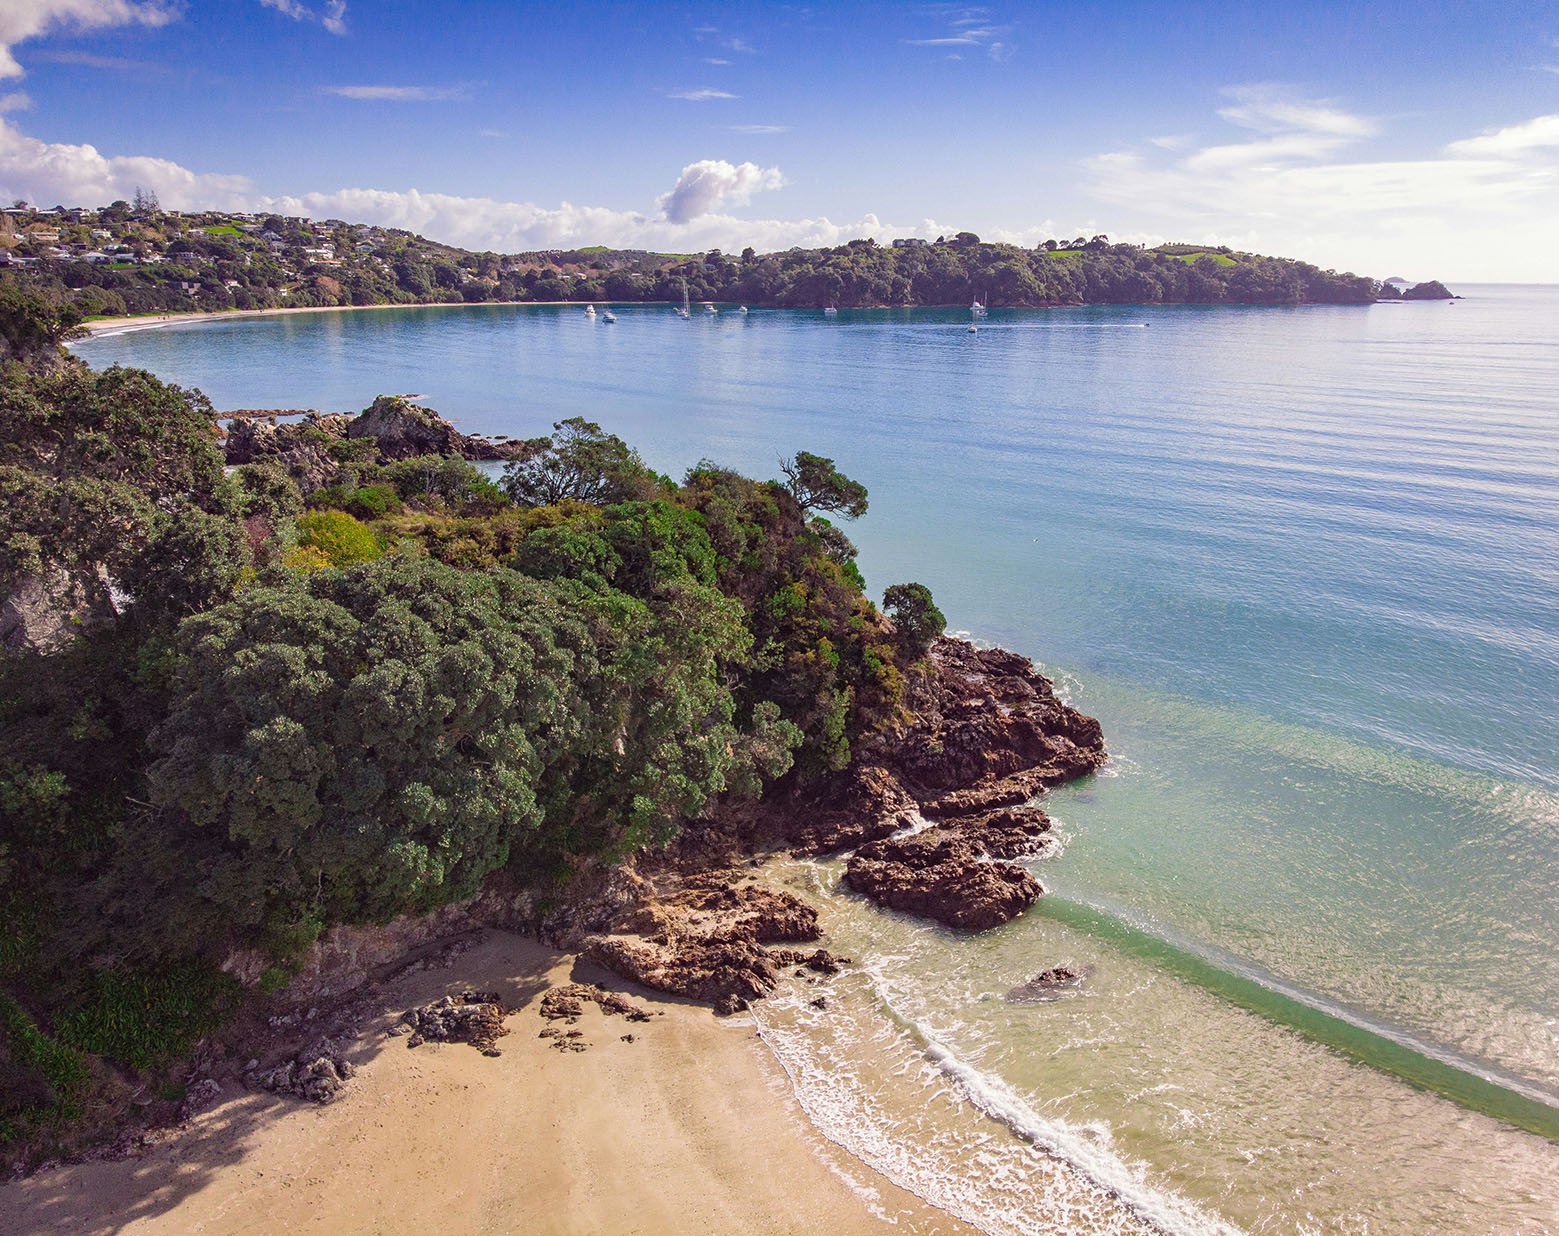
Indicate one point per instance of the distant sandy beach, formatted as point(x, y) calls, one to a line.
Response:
point(149, 321)
point(690, 1128)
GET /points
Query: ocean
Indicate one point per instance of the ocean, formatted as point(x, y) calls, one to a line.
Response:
point(1303, 564)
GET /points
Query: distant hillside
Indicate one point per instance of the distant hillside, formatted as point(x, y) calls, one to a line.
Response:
point(128, 260)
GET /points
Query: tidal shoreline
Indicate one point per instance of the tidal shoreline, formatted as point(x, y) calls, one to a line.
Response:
point(691, 1126)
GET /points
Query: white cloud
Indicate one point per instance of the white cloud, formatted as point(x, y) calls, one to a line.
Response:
point(80, 175)
point(27, 19)
point(398, 94)
point(710, 183)
point(1538, 134)
point(1271, 108)
point(331, 15)
point(715, 60)
point(759, 129)
point(970, 28)
point(1298, 185)
point(703, 94)
point(16, 101)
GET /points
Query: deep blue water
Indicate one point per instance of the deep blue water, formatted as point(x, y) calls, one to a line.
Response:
point(1303, 563)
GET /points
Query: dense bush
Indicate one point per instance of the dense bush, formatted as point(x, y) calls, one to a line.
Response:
point(279, 719)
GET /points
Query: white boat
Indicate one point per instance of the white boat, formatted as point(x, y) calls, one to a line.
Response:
point(977, 310)
point(590, 311)
point(684, 312)
point(742, 310)
point(973, 329)
point(608, 315)
point(709, 310)
point(829, 311)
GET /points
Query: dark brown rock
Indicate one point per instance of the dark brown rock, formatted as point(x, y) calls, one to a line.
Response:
point(943, 874)
point(474, 1017)
point(849, 809)
point(1047, 985)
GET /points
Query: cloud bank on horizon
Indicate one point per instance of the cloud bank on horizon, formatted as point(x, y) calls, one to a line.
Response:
point(1268, 167)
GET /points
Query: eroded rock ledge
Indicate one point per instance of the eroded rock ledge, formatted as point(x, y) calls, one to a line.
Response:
point(933, 815)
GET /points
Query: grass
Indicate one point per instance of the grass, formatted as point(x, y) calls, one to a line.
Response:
point(60, 1068)
point(1223, 259)
point(222, 229)
point(146, 1020)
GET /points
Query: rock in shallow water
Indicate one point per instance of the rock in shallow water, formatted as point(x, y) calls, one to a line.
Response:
point(1047, 985)
point(956, 873)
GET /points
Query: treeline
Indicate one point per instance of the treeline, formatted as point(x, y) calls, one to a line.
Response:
point(202, 264)
point(240, 706)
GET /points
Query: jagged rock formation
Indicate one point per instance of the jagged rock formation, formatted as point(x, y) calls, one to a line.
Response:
point(396, 428)
point(474, 1017)
point(318, 1073)
point(935, 811)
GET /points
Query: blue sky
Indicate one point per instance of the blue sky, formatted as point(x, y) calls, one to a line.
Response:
point(1367, 135)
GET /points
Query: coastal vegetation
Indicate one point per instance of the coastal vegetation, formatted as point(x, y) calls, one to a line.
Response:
point(333, 685)
point(137, 259)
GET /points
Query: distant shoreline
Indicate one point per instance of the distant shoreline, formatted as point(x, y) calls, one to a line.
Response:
point(150, 321)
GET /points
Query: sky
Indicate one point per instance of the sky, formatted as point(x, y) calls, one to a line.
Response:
point(1413, 139)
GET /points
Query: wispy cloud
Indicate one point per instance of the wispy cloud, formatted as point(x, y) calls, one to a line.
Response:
point(1298, 181)
point(703, 94)
point(331, 14)
point(759, 128)
point(21, 20)
point(715, 60)
point(968, 28)
point(90, 61)
point(16, 101)
point(491, 133)
point(1538, 134)
point(399, 94)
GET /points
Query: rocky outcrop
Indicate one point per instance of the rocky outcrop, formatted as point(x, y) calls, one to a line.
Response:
point(391, 428)
point(1047, 985)
point(947, 873)
point(707, 941)
point(474, 1017)
point(1433, 290)
point(303, 448)
point(318, 1073)
point(404, 430)
point(935, 810)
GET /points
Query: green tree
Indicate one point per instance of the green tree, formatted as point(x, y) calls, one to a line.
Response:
point(817, 485)
point(915, 616)
point(579, 462)
point(339, 539)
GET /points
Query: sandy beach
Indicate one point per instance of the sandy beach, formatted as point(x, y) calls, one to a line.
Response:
point(691, 1127)
point(149, 321)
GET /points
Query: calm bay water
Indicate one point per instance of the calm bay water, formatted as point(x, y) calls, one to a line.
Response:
point(1304, 566)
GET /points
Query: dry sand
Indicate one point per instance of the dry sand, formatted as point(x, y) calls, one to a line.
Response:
point(691, 1128)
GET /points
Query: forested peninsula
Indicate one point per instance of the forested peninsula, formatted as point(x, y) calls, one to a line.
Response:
point(290, 698)
point(138, 259)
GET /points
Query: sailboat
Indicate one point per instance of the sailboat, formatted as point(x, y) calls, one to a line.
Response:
point(684, 312)
point(977, 310)
point(829, 311)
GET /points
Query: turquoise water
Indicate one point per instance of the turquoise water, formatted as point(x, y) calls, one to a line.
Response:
point(1302, 563)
